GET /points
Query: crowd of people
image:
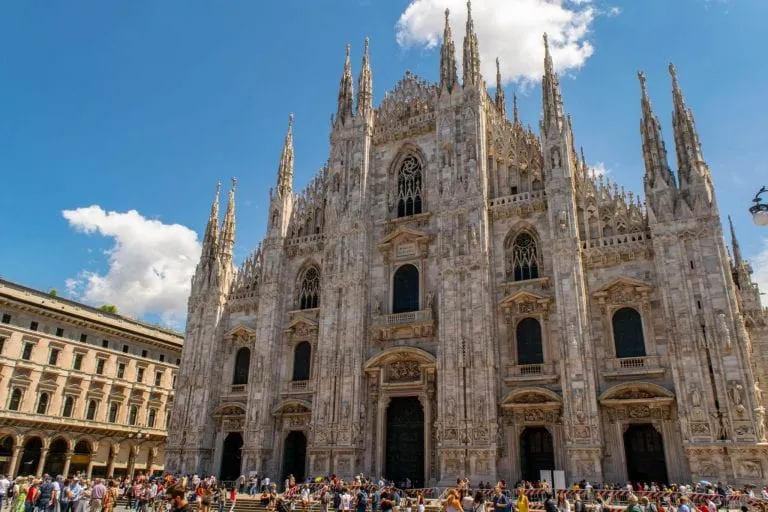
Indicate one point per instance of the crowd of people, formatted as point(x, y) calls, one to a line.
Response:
point(361, 494)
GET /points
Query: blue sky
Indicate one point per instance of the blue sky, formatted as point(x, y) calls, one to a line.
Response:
point(144, 105)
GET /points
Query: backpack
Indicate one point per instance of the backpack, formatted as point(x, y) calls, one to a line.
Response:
point(362, 499)
point(397, 498)
point(336, 500)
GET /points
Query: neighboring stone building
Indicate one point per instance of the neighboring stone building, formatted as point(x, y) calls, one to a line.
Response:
point(454, 294)
point(81, 390)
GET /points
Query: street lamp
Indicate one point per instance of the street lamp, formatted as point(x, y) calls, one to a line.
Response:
point(759, 210)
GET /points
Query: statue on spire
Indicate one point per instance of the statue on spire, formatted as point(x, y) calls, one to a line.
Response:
point(471, 62)
point(365, 85)
point(501, 99)
point(448, 77)
point(345, 110)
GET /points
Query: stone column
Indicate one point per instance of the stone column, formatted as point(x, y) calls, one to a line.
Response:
point(41, 462)
point(133, 452)
point(67, 462)
point(114, 450)
point(151, 459)
point(89, 469)
point(13, 467)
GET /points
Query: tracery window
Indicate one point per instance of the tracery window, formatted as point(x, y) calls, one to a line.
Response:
point(309, 290)
point(529, 345)
point(628, 333)
point(15, 402)
point(522, 258)
point(409, 180)
point(302, 356)
point(242, 365)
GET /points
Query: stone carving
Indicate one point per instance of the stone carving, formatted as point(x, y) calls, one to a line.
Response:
point(555, 154)
point(404, 371)
point(751, 468)
point(562, 220)
point(695, 396)
point(634, 394)
point(736, 393)
point(429, 300)
point(723, 331)
point(639, 411)
point(758, 392)
point(700, 429)
point(760, 424)
point(578, 400)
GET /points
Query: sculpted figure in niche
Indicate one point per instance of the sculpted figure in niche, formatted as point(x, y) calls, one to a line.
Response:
point(760, 424)
point(758, 392)
point(378, 306)
point(695, 397)
point(430, 300)
point(737, 394)
point(555, 158)
point(578, 400)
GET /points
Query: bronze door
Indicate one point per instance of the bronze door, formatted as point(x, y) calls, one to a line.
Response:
point(644, 449)
point(405, 441)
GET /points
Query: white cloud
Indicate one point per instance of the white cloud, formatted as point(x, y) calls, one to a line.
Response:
point(598, 169)
point(760, 267)
point(509, 29)
point(150, 264)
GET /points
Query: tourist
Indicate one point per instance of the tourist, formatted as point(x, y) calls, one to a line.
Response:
point(110, 497)
point(177, 500)
point(452, 503)
point(522, 500)
point(361, 500)
point(222, 498)
point(97, 495)
point(47, 498)
point(563, 505)
point(345, 502)
point(387, 500)
point(19, 495)
point(233, 498)
point(633, 504)
point(420, 501)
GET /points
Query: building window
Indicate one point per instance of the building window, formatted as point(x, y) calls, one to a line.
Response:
point(83, 337)
point(242, 365)
point(173, 381)
point(628, 333)
point(27, 353)
point(77, 362)
point(53, 358)
point(167, 419)
point(42, 403)
point(105, 343)
point(139, 374)
point(125, 349)
point(33, 326)
point(309, 291)
point(405, 290)
point(158, 378)
point(100, 366)
point(59, 332)
point(113, 409)
point(529, 346)
point(409, 187)
point(143, 353)
point(302, 357)
point(133, 415)
point(6, 318)
point(162, 358)
point(120, 370)
point(2, 344)
point(69, 405)
point(15, 401)
point(522, 257)
point(91, 412)
point(151, 418)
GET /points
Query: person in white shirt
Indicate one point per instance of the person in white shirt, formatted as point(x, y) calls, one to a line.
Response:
point(4, 485)
point(346, 500)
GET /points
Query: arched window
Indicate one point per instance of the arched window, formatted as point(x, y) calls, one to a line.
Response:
point(302, 357)
point(91, 413)
point(309, 290)
point(522, 257)
point(242, 365)
point(151, 417)
point(405, 289)
point(15, 402)
point(69, 404)
point(409, 187)
point(167, 419)
point(133, 415)
point(113, 409)
point(529, 346)
point(628, 333)
point(42, 403)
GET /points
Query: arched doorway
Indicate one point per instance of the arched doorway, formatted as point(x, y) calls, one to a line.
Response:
point(57, 455)
point(405, 441)
point(537, 452)
point(644, 451)
point(295, 455)
point(231, 456)
point(6, 453)
point(81, 457)
point(30, 457)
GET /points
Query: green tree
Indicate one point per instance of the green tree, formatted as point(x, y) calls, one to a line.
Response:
point(109, 308)
point(53, 292)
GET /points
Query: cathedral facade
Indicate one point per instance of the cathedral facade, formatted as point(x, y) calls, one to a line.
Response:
point(454, 294)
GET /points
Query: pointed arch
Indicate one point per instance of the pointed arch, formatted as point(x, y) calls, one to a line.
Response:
point(522, 256)
point(308, 284)
point(408, 171)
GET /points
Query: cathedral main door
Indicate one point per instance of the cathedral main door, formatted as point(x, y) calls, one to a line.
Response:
point(537, 452)
point(405, 441)
point(644, 450)
point(295, 456)
point(231, 456)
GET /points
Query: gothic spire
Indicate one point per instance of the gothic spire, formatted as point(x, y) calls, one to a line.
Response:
point(657, 171)
point(346, 93)
point(515, 113)
point(448, 77)
point(285, 170)
point(365, 85)
point(211, 237)
point(501, 99)
point(551, 97)
point(687, 145)
point(737, 260)
point(227, 242)
point(471, 62)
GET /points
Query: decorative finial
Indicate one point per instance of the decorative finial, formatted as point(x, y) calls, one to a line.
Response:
point(641, 77)
point(366, 44)
point(672, 71)
point(516, 117)
point(349, 48)
point(234, 182)
point(290, 120)
point(447, 12)
point(218, 188)
point(546, 43)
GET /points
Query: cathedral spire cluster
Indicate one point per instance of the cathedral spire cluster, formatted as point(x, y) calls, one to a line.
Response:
point(552, 100)
point(285, 169)
point(345, 110)
point(501, 99)
point(448, 73)
point(657, 171)
point(471, 61)
point(365, 85)
point(690, 160)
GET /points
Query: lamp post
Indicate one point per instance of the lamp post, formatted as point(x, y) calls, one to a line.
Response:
point(759, 210)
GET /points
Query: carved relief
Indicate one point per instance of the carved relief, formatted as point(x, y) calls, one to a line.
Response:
point(404, 371)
